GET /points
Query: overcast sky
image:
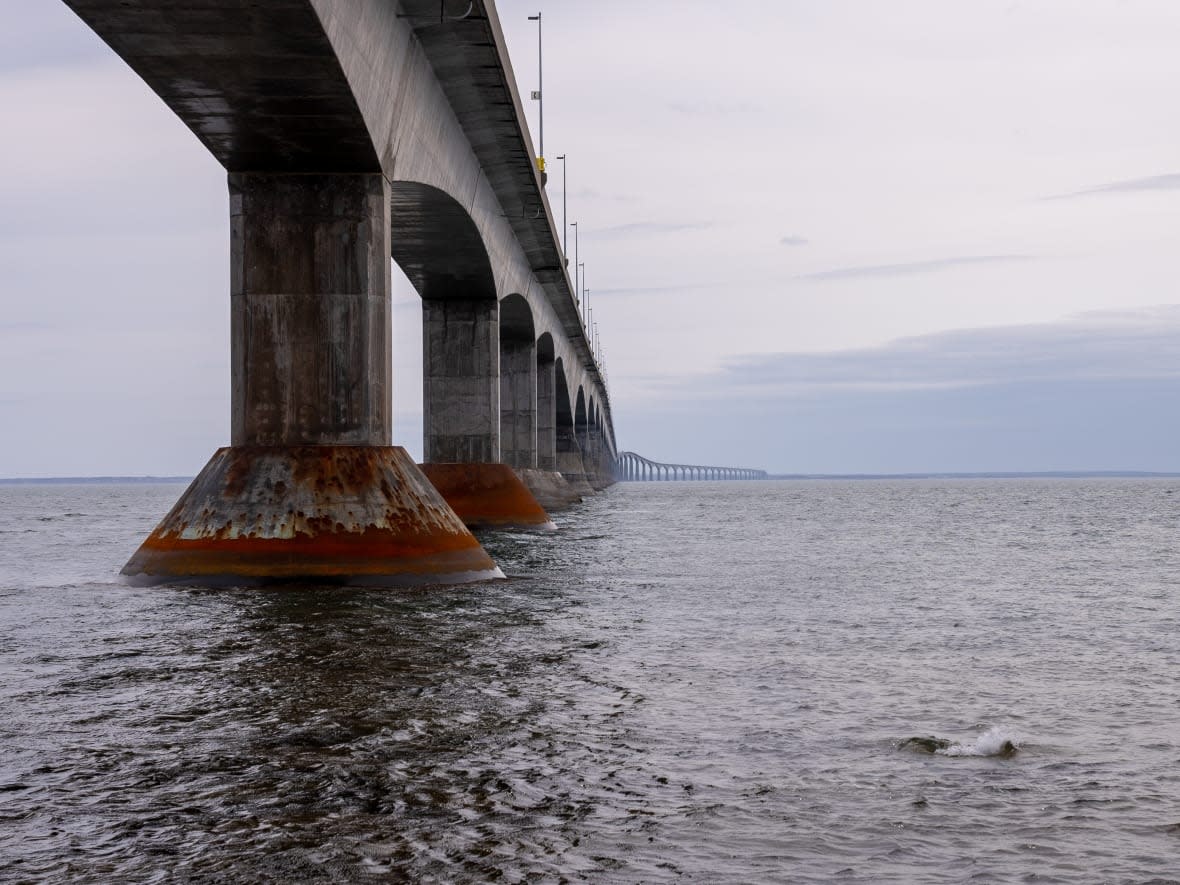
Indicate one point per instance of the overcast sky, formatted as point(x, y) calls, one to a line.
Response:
point(837, 236)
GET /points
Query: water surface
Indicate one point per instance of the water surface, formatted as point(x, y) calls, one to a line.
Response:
point(714, 682)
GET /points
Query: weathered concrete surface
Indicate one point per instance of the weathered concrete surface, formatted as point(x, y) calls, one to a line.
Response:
point(330, 514)
point(461, 401)
point(550, 488)
point(261, 85)
point(518, 403)
point(453, 141)
point(418, 93)
point(418, 90)
point(546, 406)
point(488, 496)
point(569, 462)
point(309, 304)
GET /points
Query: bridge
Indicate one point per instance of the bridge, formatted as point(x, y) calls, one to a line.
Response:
point(631, 467)
point(354, 132)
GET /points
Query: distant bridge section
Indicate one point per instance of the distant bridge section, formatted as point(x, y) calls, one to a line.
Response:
point(636, 468)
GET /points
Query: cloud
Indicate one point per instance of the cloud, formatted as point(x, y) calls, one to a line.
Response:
point(1099, 346)
point(651, 290)
point(1087, 393)
point(909, 268)
point(647, 227)
point(793, 241)
point(1170, 182)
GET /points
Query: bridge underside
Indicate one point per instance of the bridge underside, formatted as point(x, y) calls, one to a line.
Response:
point(259, 84)
point(323, 113)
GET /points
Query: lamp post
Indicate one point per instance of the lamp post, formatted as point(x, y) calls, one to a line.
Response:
point(539, 95)
point(565, 253)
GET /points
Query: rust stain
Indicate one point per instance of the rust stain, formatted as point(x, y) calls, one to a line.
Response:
point(310, 511)
point(487, 495)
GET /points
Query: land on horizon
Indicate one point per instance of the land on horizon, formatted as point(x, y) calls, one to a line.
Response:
point(981, 474)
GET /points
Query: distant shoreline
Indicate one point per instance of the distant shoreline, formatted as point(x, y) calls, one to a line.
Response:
point(1033, 474)
point(91, 480)
point(1041, 474)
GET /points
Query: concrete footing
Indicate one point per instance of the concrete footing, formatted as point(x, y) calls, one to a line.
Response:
point(488, 496)
point(323, 514)
point(549, 488)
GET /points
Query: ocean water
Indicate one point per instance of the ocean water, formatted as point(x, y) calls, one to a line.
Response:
point(861, 682)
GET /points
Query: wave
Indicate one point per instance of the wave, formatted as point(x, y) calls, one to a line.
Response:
point(999, 740)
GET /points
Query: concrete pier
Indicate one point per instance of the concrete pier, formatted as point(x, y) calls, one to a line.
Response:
point(355, 132)
point(546, 409)
point(488, 496)
point(311, 488)
point(518, 384)
point(461, 383)
point(310, 286)
point(358, 515)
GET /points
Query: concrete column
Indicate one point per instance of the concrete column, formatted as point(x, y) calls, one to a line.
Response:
point(310, 285)
point(461, 384)
point(518, 403)
point(547, 416)
point(311, 490)
point(569, 460)
point(586, 447)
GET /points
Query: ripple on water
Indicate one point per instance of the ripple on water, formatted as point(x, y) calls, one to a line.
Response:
point(807, 682)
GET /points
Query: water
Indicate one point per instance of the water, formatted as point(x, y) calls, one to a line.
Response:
point(909, 682)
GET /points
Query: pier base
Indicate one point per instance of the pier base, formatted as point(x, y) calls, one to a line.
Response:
point(488, 496)
point(360, 515)
point(550, 488)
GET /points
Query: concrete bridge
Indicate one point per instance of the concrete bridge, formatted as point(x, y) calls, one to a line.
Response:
point(631, 467)
point(353, 132)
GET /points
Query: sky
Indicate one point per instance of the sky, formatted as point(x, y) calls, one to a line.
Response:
point(820, 237)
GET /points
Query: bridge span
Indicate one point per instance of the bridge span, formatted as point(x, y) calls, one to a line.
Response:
point(636, 468)
point(355, 132)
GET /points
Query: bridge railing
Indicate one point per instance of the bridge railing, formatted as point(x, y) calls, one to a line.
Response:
point(633, 467)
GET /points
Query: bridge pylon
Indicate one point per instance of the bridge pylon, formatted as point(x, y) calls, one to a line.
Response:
point(311, 487)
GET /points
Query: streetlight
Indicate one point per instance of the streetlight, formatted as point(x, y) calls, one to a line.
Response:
point(564, 227)
point(538, 96)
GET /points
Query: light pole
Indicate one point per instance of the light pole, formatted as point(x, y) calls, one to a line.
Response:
point(539, 96)
point(565, 252)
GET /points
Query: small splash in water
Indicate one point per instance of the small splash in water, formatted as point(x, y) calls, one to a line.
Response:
point(996, 741)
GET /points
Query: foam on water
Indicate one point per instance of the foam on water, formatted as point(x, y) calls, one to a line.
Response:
point(999, 740)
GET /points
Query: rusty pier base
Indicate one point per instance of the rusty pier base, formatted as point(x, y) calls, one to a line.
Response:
point(488, 496)
point(328, 514)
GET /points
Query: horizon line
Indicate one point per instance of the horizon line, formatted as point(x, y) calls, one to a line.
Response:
point(939, 474)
